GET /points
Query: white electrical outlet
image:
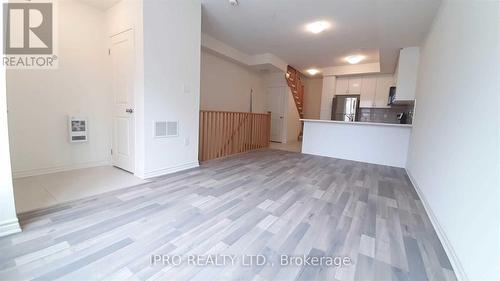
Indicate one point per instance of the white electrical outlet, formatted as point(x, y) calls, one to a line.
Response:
point(186, 141)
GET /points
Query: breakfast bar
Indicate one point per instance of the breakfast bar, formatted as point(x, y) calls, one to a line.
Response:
point(376, 143)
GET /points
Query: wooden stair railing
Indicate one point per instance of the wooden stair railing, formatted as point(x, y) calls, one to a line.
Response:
point(225, 133)
point(295, 83)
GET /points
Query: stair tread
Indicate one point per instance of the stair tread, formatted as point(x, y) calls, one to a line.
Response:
point(294, 81)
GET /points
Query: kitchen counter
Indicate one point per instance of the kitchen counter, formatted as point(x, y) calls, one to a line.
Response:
point(357, 123)
point(376, 143)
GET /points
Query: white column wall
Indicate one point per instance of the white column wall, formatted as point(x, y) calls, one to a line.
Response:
point(8, 218)
point(329, 83)
point(454, 149)
point(172, 50)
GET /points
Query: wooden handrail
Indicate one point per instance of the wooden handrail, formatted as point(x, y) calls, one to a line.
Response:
point(223, 133)
point(234, 112)
point(297, 88)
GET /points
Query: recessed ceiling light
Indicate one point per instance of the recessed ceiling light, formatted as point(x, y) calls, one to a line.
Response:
point(354, 59)
point(312, 71)
point(318, 26)
point(234, 2)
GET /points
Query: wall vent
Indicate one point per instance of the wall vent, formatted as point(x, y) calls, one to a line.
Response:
point(164, 129)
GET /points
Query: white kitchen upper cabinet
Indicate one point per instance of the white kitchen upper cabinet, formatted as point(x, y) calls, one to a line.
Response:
point(368, 89)
point(406, 73)
point(354, 85)
point(342, 86)
point(384, 83)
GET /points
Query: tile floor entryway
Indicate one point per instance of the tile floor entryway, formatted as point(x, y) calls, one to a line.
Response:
point(43, 191)
point(294, 146)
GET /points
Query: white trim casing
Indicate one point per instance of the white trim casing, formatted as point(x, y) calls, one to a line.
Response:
point(169, 170)
point(9, 227)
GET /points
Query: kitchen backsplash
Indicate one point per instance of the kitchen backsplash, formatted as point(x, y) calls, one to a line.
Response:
point(385, 115)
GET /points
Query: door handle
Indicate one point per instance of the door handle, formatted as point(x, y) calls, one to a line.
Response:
point(129, 110)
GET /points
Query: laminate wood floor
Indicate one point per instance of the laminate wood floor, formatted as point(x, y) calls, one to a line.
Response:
point(266, 205)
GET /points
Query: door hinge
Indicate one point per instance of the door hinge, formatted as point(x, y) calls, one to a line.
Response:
point(111, 151)
point(109, 52)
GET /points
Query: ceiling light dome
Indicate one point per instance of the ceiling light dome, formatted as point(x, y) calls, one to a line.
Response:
point(312, 71)
point(354, 59)
point(318, 26)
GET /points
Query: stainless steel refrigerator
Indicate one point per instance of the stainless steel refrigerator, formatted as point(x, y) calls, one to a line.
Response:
point(345, 108)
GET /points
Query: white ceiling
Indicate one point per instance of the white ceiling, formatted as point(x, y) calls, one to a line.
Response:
point(101, 4)
point(374, 28)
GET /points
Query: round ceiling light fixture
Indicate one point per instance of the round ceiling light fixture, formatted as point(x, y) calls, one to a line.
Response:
point(354, 59)
point(318, 26)
point(234, 3)
point(312, 71)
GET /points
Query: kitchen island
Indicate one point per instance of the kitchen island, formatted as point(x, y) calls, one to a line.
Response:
point(376, 143)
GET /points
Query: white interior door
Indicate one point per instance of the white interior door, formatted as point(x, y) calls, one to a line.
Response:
point(122, 56)
point(276, 105)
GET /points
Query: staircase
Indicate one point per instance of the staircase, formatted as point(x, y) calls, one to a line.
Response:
point(297, 88)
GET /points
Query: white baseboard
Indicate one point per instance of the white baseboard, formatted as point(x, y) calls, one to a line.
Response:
point(448, 248)
point(170, 170)
point(9, 227)
point(57, 169)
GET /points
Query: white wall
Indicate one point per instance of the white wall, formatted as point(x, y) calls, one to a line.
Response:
point(226, 85)
point(120, 17)
point(8, 219)
point(455, 144)
point(40, 101)
point(293, 126)
point(327, 93)
point(351, 69)
point(172, 31)
point(265, 61)
point(312, 97)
